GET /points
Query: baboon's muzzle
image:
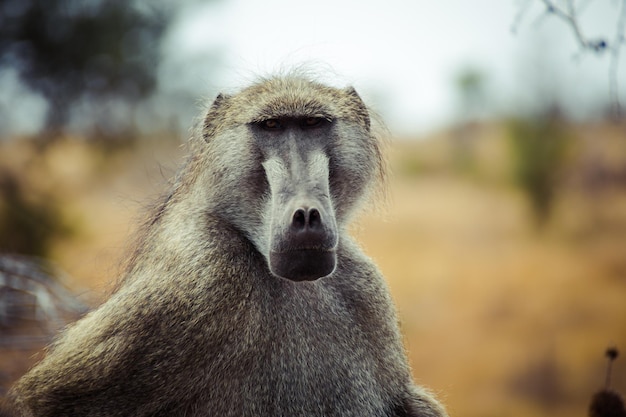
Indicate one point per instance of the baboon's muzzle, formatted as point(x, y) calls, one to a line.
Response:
point(307, 250)
point(303, 229)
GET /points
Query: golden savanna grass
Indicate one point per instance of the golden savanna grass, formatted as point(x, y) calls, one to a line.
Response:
point(500, 317)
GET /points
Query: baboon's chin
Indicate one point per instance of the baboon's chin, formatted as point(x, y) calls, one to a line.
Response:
point(303, 265)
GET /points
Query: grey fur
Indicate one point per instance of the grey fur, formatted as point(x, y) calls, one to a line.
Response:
point(200, 325)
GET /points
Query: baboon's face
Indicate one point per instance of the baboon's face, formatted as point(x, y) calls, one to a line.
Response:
point(301, 219)
point(292, 159)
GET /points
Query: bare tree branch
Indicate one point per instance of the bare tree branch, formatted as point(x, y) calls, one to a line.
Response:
point(569, 12)
point(618, 42)
point(570, 16)
point(520, 15)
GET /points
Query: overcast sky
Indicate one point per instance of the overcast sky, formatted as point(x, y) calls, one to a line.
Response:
point(405, 55)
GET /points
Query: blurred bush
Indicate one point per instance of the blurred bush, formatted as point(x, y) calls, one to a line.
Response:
point(88, 58)
point(539, 150)
point(29, 221)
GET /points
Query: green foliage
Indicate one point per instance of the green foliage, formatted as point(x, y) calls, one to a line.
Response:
point(28, 223)
point(470, 84)
point(81, 50)
point(539, 152)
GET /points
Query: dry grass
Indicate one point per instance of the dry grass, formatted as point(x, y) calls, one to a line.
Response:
point(499, 318)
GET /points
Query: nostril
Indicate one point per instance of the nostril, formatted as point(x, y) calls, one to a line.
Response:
point(315, 220)
point(299, 219)
point(306, 218)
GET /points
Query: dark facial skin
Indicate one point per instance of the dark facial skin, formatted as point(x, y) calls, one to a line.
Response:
point(302, 224)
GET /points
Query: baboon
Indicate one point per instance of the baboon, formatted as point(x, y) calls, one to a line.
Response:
point(245, 295)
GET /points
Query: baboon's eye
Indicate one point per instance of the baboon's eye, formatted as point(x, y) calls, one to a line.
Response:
point(312, 121)
point(271, 124)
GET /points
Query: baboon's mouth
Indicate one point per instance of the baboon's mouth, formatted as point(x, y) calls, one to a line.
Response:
point(303, 264)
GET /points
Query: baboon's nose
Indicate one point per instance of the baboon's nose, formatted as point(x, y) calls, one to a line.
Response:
point(306, 218)
point(307, 229)
point(306, 250)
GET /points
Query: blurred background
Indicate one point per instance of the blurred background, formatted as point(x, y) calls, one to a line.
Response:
point(504, 238)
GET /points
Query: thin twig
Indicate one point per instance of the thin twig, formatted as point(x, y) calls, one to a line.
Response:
point(569, 13)
point(616, 48)
point(570, 17)
point(520, 15)
point(612, 353)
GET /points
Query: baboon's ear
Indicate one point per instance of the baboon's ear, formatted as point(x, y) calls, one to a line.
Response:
point(359, 106)
point(212, 119)
point(219, 100)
